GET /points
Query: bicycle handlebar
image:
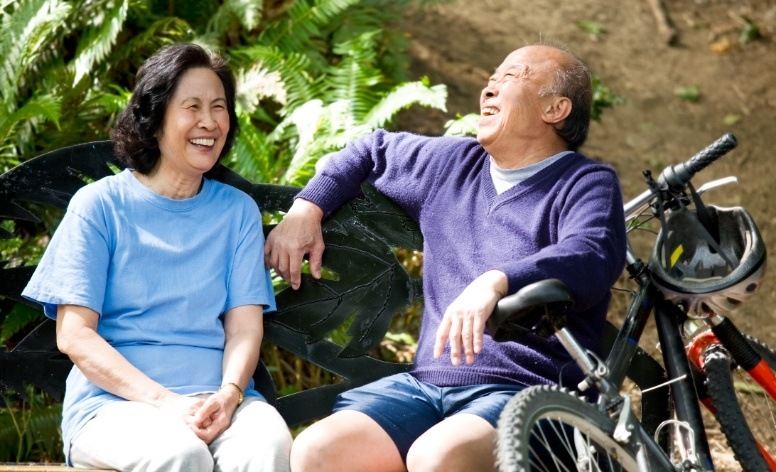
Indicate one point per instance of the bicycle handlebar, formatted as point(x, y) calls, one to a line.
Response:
point(678, 176)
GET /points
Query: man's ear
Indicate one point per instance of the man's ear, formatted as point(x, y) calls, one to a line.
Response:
point(556, 110)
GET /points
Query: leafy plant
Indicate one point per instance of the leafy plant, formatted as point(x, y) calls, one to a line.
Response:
point(312, 75)
point(689, 94)
point(29, 428)
point(593, 28)
point(749, 32)
point(603, 98)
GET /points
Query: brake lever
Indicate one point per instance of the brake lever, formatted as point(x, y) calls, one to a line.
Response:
point(717, 183)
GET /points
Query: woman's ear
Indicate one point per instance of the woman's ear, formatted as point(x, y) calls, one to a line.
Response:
point(556, 110)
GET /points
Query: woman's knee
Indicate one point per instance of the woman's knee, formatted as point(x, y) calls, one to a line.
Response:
point(183, 453)
point(262, 452)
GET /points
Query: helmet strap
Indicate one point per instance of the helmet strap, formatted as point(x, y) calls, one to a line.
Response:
point(703, 215)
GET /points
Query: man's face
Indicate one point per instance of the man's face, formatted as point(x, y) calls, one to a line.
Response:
point(510, 105)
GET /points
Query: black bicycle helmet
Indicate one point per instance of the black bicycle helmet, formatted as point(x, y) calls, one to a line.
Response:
point(709, 276)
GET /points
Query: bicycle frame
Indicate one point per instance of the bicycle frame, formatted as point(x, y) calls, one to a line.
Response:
point(610, 375)
point(672, 191)
point(677, 358)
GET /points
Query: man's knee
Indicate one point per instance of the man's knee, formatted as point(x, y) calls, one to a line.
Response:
point(460, 443)
point(311, 450)
point(424, 457)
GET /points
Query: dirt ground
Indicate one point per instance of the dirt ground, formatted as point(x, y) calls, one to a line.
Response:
point(461, 43)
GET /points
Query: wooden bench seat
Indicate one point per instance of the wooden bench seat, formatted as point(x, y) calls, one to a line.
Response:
point(32, 467)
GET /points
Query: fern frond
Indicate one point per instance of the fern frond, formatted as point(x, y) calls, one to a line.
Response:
point(30, 430)
point(319, 130)
point(113, 103)
point(45, 432)
point(256, 84)
point(302, 22)
point(234, 13)
point(46, 107)
point(255, 156)
point(27, 31)
point(17, 319)
point(463, 125)
point(404, 96)
point(293, 68)
point(355, 78)
point(145, 42)
point(99, 38)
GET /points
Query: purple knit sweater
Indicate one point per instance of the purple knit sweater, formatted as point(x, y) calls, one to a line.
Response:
point(565, 222)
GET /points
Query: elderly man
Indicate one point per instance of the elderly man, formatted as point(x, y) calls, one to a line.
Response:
point(517, 205)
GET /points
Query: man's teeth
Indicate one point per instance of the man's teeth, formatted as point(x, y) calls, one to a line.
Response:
point(488, 111)
point(203, 141)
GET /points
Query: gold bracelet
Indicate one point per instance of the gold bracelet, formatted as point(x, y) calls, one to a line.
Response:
point(239, 390)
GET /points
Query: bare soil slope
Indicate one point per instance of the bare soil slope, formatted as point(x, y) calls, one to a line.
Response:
point(461, 43)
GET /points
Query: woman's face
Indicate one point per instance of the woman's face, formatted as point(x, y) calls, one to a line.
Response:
point(195, 124)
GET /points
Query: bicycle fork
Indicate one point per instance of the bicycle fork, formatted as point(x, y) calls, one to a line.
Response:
point(724, 339)
point(628, 429)
point(724, 333)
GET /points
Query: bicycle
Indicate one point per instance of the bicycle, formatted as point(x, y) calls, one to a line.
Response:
point(552, 428)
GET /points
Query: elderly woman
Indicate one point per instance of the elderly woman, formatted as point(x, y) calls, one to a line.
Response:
point(156, 280)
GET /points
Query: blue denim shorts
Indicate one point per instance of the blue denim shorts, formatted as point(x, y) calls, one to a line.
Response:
point(406, 408)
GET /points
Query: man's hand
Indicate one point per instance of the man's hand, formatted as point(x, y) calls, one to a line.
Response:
point(298, 234)
point(464, 321)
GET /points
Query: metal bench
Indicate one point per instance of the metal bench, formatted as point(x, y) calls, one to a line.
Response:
point(368, 286)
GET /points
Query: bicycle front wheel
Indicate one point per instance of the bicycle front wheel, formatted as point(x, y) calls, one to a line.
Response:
point(546, 428)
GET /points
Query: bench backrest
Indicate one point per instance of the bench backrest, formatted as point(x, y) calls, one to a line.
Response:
point(368, 287)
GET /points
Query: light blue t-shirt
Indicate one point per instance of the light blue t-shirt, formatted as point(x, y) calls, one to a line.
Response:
point(160, 273)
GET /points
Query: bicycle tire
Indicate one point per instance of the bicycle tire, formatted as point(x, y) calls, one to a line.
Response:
point(747, 416)
point(535, 433)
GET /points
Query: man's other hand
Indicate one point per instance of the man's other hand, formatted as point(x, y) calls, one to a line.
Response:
point(298, 234)
point(463, 324)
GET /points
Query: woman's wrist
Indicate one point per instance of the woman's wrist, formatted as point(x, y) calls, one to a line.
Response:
point(234, 386)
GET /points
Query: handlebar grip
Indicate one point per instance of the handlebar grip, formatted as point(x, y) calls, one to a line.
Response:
point(678, 176)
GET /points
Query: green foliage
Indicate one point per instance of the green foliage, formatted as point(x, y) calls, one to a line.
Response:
point(593, 28)
point(690, 94)
point(312, 76)
point(602, 98)
point(749, 32)
point(463, 125)
point(15, 321)
point(30, 428)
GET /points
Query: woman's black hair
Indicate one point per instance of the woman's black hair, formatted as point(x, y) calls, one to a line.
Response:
point(135, 131)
